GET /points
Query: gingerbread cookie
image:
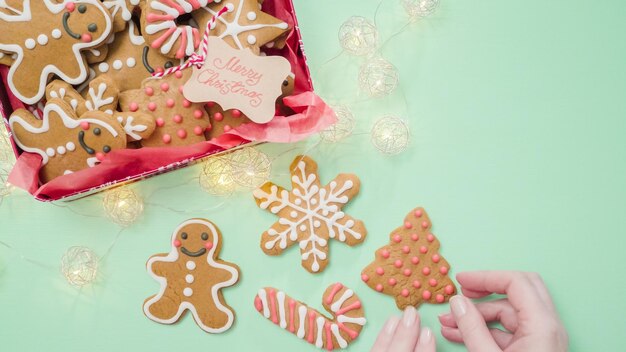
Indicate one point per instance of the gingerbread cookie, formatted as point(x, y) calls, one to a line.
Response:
point(130, 60)
point(243, 26)
point(65, 142)
point(178, 121)
point(311, 325)
point(191, 278)
point(48, 37)
point(410, 267)
point(310, 214)
point(121, 12)
point(102, 95)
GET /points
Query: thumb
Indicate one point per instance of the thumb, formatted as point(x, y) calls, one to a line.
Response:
point(471, 324)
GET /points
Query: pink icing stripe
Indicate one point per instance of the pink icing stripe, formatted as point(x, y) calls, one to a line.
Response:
point(355, 305)
point(170, 3)
point(155, 17)
point(257, 304)
point(195, 4)
point(273, 314)
point(329, 337)
point(311, 326)
point(292, 309)
point(196, 37)
point(353, 334)
point(183, 43)
point(157, 43)
point(338, 286)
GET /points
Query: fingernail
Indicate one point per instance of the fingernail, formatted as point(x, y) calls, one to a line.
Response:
point(425, 336)
point(408, 318)
point(457, 303)
point(391, 324)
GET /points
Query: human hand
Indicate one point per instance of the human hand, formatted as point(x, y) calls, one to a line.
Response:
point(404, 335)
point(527, 313)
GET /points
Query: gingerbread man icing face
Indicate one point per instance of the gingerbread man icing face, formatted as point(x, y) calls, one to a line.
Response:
point(191, 277)
point(48, 37)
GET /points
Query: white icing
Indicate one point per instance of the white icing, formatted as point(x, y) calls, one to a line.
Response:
point(103, 67)
point(130, 128)
point(172, 257)
point(67, 172)
point(131, 62)
point(187, 31)
point(320, 329)
point(61, 150)
point(91, 162)
point(189, 278)
point(56, 33)
point(96, 100)
point(280, 296)
point(134, 36)
point(190, 265)
point(115, 6)
point(301, 321)
point(50, 152)
point(263, 298)
point(117, 64)
point(187, 292)
point(344, 319)
point(30, 43)
point(251, 15)
point(70, 146)
point(251, 39)
point(340, 340)
point(337, 305)
point(42, 39)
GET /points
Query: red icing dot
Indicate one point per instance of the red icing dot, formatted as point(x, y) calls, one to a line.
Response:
point(406, 249)
point(432, 282)
point(443, 270)
point(160, 122)
point(178, 74)
point(417, 284)
point(218, 116)
point(152, 106)
point(418, 213)
point(426, 294)
point(198, 130)
point(392, 282)
point(415, 260)
point(160, 70)
point(181, 89)
point(167, 138)
point(384, 253)
point(404, 292)
point(380, 271)
point(448, 289)
point(430, 237)
point(236, 113)
point(133, 107)
point(177, 118)
point(100, 156)
point(397, 263)
point(424, 224)
point(227, 128)
point(149, 91)
point(198, 114)
point(70, 6)
point(426, 270)
point(415, 237)
point(436, 258)
point(210, 104)
point(170, 103)
point(439, 298)
point(177, 243)
point(407, 272)
point(365, 278)
point(208, 245)
point(379, 287)
point(165, 87)
point(423, 249)
point(86, 38)
point(186, 103)
point(84, 125)
point(397, 238)
point(408, 225)
point(182, 134)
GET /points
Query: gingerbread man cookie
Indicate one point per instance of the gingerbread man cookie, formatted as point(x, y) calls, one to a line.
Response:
point(65, 142)
point(178, 121)
point(48, 37)
point(243, 26)
point(191, 278)
point(311, 325)
point(410, 267)
point(121, 12)
point(310, 214)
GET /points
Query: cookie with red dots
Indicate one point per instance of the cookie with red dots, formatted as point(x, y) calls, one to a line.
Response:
point(49, 38)
point(410, 268)
point(65, 142)
point(178, 121)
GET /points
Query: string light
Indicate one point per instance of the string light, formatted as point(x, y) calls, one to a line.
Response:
point(390, 135)
point(378, 77)
point(342, 128)
point(216, 177)
point(358, 36)
point(79, 265)
point(251, 167)
point(417, 9)
point(123, 206)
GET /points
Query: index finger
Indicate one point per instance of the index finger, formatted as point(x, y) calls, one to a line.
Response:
point(519, 289)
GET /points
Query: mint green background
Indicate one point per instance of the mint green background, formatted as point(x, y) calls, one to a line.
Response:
point(517, 111)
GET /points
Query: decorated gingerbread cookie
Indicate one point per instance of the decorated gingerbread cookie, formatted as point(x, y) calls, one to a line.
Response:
point(48, 37)
point(65, 142)
point(243, 26)
point(348, 317)
point(191, 277)
point(121, 11)
point(102, 95)
point(178, 121)
point(310, 214)
point(410, 267)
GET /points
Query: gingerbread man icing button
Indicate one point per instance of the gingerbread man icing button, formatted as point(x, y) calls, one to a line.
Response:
point(191, 278)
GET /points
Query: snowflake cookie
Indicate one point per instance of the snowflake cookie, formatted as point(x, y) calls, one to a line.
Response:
point(410, 267)
point(310, 214)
